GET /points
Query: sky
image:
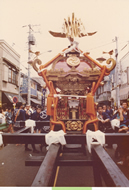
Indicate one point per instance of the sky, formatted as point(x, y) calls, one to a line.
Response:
point(109, 18)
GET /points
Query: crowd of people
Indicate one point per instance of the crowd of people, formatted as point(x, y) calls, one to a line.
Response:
point(110, 120)
point(10, 117)
point(113, 120)
point(20, 113)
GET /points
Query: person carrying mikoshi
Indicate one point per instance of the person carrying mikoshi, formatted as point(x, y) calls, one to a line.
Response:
point(123, 116)
point(103, 120)
point(9, 120)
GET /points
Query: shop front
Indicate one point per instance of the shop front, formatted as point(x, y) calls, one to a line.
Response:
point(7, 99)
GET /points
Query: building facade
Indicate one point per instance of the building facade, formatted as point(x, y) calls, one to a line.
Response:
point(36, 91)
point(103, 93)
point(9, 75)
point(124, 78)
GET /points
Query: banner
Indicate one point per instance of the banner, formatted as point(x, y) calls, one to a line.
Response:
point(43, 98)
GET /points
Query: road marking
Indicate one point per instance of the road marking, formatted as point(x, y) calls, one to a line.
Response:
point(57, 172)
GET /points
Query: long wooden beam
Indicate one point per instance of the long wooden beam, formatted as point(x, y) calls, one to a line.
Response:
point(38, 123)
point(39, 138)
point(37, 161)
point(46, 173)
point(45, 122)
point(23, 130)
point(107, 168)
point(23, 138)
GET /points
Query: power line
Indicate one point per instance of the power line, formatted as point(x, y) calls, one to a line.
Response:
point(106, 45)
point(100, 46)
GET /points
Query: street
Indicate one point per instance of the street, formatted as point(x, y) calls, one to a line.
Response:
point(13, 171)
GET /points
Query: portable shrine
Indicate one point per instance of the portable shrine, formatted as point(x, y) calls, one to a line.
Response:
point(72, 81)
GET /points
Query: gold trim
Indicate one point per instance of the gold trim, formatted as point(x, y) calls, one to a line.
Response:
point(74, 125)
point(36, 61)
point(73, 61)
point(113, 64)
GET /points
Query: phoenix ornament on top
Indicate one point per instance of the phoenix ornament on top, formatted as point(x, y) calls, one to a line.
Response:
point(71, 29)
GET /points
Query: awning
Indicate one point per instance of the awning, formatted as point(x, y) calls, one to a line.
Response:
point(35, 101)
point(10, 97)
point(124, 92)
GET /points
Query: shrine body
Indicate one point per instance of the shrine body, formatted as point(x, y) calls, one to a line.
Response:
point(72, 81)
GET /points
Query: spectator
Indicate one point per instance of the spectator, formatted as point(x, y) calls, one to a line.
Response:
point(12, 110)
point(9, 121)
point(122, 116)
point(36, 115)
point(3, 124)
point(104, 120)
point(5, 111)
point(2, 117)
point(34, 109)
point(122, 148)
point(115, 110)
point(104, 108)
point(109, 111)
point(19, 115)
point(28, 112)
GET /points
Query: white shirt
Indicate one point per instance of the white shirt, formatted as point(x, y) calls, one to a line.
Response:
point(2, 118)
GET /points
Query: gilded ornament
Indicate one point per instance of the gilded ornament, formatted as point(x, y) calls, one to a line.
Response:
point(113, 64)
point(35, 62)
point(73, 61)
point(80, 125)
point(74, 125)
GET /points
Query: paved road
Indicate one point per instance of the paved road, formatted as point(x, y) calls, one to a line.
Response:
point(13, 171)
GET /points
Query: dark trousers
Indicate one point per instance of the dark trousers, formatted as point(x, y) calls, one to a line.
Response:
point(105, 127)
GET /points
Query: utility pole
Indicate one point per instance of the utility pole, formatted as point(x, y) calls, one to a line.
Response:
point(31, 41)
point(29, 57)
point(117, 75)
point(19, 85)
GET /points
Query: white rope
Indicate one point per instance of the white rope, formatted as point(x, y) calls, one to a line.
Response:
point(39, 71)
point(76, 96)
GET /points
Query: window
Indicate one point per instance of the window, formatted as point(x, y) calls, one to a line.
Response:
point(12, 76)
point(99, 91)
point(33, 85)
point(39, 88)
point(102, 88)
point(5, 74)
point(21, 82)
